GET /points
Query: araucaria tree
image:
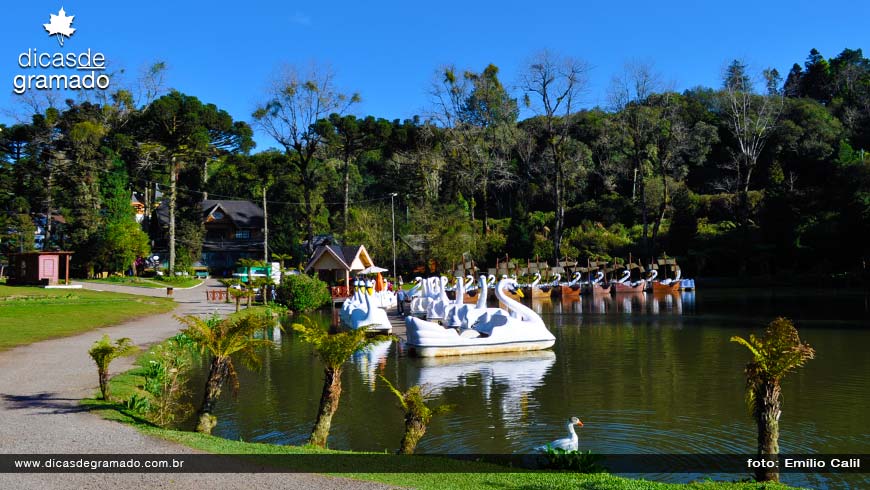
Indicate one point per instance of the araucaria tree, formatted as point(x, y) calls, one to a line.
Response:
point(334, 350)
point(103, 352)
point(221, 339)
point(418, 414)
point(295, 103)
point(185, 133)
point(778, 352)
point(553, 86)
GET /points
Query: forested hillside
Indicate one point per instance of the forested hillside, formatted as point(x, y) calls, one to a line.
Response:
point(764, 175)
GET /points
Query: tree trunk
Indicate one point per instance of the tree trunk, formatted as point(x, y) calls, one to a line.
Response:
point(328, 406)
point(204, 178)
point(560, 213)
point(346, 194)
point(173, 178)
point(309, 219)
point(265, 229)
point(644, 217)
point(767, 411)
point(49, 203)
point(104, 381)
point(415, 428)
point(662, 210)
point(485, 204)
point(216, 374)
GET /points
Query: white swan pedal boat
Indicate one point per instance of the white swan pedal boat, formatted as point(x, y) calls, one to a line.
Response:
point(480, 330)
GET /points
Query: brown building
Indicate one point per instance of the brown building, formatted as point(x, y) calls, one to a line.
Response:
point(233, 230)
point(39, 268)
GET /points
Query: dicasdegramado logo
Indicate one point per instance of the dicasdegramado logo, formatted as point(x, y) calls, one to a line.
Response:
point(84, 70)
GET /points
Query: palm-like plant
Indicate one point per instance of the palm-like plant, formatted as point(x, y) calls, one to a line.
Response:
point(236, 294)
point(263, 284)
point(220, 339)
point(249, 264)
point(103, 352)
point(334, 350)
point(778, 352)
point(418, 414)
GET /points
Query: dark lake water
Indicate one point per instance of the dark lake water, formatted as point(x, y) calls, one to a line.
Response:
point(646, 374)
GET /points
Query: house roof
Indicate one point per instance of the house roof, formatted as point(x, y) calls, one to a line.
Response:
point(346, 256)
point(245, 214)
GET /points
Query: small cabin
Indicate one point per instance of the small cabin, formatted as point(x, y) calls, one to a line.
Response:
point(334, 265)
point(40, 268)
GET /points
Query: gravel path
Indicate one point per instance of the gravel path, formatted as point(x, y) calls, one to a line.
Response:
point(40, 388)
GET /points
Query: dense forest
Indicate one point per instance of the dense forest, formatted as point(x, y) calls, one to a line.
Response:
point(764, 175)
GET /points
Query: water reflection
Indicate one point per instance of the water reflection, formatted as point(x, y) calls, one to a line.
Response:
point(507, 383)
point(518, 372)
point(623, 303)
point(372, 360)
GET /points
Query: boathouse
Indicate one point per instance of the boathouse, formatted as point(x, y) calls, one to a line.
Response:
point(335, 264)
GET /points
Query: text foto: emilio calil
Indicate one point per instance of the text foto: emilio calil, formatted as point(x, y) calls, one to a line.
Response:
point(809, 463)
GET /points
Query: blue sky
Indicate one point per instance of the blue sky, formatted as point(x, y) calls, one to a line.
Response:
point(225, 52)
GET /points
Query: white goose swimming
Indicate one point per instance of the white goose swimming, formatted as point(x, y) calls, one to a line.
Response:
point(569, 443)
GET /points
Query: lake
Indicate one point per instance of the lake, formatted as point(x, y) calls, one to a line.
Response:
point(645, 374)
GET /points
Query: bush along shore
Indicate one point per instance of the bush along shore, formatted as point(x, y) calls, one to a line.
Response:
point(151, 396)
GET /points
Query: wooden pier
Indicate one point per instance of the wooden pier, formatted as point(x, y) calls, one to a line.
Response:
point(398, 322)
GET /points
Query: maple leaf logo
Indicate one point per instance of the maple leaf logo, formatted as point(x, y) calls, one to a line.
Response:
point(60, 25)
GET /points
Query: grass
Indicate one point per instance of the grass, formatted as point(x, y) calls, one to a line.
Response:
point(141, 282)
point(31, 314)
point(442, 473)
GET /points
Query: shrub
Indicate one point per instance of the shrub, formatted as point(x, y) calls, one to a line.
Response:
point(165, 371)
point(301, 292)
point(579, 461)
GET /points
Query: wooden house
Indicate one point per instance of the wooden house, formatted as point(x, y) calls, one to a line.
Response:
point(335, 264)
point(39, 268)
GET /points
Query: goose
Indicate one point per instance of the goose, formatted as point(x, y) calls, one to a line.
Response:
point(569, 443)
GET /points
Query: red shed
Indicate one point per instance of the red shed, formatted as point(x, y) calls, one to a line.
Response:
point(40, 268)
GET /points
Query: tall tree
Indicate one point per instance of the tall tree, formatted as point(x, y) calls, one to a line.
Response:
point(552, 87)
point(629, 96)
point(489, 115)
point(676, 144)
point(347, 138)
point(188, 132)
point(751, 119)
point(816, 81)
point(295, 102)
point(121, 239)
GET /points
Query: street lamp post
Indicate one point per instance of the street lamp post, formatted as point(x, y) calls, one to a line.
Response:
point(393, 214)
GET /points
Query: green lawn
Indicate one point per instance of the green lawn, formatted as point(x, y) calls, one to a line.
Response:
point(142, 282)
point(30, 314)
point(460, 475)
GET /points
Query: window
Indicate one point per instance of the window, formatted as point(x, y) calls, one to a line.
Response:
point(243, 234)
point(217, 215)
